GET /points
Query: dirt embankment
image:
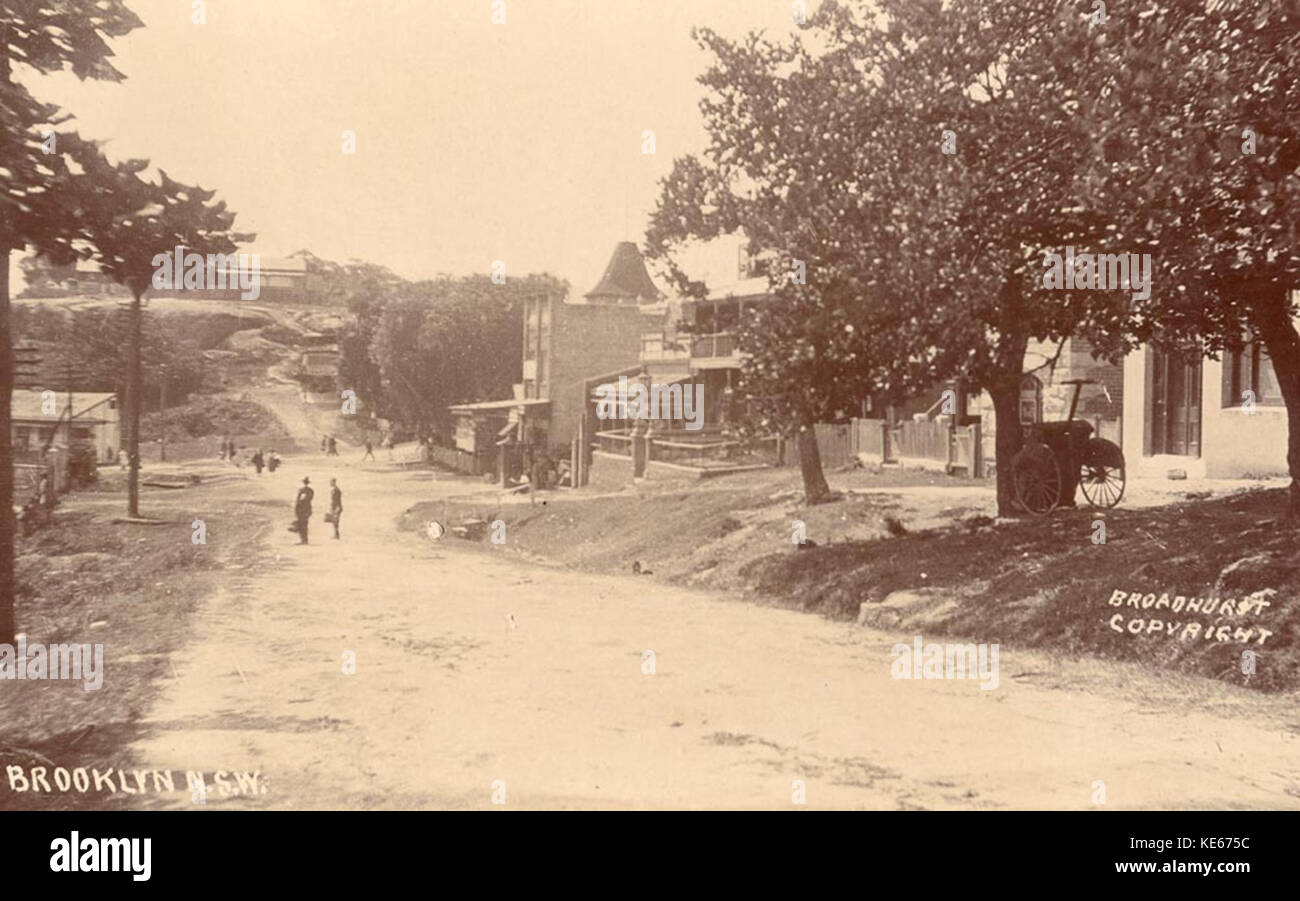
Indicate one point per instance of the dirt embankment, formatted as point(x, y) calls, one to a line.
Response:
point(1157, 591)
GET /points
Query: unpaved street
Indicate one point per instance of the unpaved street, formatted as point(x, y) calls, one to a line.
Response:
point(471, 669)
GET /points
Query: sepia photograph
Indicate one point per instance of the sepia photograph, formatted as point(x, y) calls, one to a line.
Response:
point(872, 407)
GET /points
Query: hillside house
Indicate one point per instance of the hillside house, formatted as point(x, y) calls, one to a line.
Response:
point(35, 424)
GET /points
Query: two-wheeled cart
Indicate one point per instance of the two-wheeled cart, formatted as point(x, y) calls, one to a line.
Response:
point(1057, 457)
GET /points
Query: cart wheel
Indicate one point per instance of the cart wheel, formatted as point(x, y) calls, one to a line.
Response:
point(1037, 479)
point(1101, 472)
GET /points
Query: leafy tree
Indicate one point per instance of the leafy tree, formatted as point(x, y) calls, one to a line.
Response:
point(123, 224)
point(38, 36)
point(1196, 151)
point(357, 370)
point(414, 351)
point(830, 149)
point(341, 283)
point(404, 368)
point(808, 355)
point(90, 346)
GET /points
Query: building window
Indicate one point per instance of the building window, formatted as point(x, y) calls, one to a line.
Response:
point(1031, 400)
point(1250, 369)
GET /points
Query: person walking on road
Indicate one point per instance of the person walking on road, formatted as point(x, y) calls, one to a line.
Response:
point(258, 460)
point(302, 508)
point(336, 506)
point(334, 447)
point(370, 451)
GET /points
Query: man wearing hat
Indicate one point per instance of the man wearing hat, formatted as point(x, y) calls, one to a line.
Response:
point(302, 508)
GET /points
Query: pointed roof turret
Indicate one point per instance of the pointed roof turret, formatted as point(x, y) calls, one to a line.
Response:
point(625, 279)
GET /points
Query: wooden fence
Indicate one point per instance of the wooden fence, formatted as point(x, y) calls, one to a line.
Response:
point(835, 445)
point(840, 445)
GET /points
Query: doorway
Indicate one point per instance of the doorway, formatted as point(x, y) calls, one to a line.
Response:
point(1173, 409)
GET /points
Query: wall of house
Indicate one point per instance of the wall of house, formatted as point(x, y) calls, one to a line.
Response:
point(1238, 444)
point(1234, 444)
point(587, 340)
point(28, 436)
point(1104, 400)
point(1101, 404)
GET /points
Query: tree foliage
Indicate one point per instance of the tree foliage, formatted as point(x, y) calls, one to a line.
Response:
point(39, 37)
point(1198, 156)
point(919, 158)
point(89, 347)
point(413, 350)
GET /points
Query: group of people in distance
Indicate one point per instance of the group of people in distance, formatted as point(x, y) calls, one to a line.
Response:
point(259, 459)
point(329, 446)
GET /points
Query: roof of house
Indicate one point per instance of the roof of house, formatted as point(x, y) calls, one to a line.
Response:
point(625, 277)
point(280, 265)
point(26, 405)
point(283, 264)
point(490, 405)
point(746, 288)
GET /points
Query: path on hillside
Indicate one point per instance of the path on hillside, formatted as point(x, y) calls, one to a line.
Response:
point(472, 669)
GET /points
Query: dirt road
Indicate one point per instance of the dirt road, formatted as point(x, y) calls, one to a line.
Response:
point(471, 670)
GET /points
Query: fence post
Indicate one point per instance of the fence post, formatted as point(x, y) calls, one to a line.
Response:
point(640, 449)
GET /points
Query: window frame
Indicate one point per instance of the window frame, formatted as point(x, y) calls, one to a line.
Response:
point(1253, 352)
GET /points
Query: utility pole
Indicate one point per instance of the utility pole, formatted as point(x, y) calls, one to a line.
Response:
point(67, 378)
point(133, 399)
point(7, 522)
point(162, 416)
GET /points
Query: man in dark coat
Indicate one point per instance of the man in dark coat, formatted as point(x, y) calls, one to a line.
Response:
point(336, 505)
point(302, 508)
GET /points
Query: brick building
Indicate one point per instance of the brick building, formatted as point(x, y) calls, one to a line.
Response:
point(567, 342)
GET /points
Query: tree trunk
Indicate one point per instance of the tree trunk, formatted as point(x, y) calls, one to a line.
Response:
point(7, 525)
point(1272, 319)
point(133, 400)
point(1006, 423)
point(815, 489)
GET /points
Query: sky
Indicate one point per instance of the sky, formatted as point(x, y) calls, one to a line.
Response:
point(475, 141)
